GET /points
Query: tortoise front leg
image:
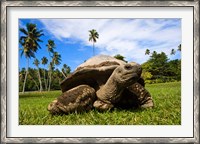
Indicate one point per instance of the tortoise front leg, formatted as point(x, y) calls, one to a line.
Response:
point(135, 96)
point(78, 99)
point(144, 98)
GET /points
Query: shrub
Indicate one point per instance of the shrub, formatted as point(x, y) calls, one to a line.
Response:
point(146, 75)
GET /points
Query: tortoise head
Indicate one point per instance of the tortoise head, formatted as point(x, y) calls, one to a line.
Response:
point(127, 74)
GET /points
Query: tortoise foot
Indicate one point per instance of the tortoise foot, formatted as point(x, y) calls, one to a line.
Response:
point(148, 103)
point(100, 105)
point(144, 98)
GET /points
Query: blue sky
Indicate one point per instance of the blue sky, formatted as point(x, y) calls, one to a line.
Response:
point(128, 37)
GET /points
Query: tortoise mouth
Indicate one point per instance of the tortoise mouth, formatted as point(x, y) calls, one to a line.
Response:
point(130, 78)
point(132, 74)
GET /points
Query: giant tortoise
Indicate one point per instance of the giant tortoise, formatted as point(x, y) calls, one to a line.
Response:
point(102, 82)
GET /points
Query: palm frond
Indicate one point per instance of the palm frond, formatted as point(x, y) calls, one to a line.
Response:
point(23, 31)
point(22, 38)
point(22, 53)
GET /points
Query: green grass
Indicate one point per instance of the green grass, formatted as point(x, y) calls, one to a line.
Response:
point(167, 110)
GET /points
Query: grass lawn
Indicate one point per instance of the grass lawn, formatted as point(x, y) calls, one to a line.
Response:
point(167, 110)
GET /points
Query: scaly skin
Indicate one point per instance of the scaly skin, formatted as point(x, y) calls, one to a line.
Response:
point(80, 98)
point(144, 97)
point(111, 92)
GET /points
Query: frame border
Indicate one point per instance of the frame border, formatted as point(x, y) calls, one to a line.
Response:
point(84, 3)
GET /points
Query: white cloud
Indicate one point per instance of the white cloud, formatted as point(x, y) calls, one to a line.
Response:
point(128, 37)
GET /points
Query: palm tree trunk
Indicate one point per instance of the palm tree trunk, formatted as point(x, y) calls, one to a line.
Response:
point(49, 81)
point(93, 49)
point(49, 75)
point(36, 85)
point(63, 74)
point(24, 85)
point(40, 80)
point(45, 81)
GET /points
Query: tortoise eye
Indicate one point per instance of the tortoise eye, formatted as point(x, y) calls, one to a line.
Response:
point(128, 67)
point(139, 68)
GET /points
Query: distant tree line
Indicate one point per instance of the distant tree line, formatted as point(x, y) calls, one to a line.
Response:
point(34, 82)
point(159, 68)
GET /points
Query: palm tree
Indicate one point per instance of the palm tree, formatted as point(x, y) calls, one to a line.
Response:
point(173, 52)
point(56, 58)
point(50, 48)
point(22, 74)
point(44, 62)
point(29, 42)
point(51, 68)
point(36, 63)
point(31, 77)
point(147, 52)
point(93, 36)
point(65, 70)
point(120, 57)
point(57, 75)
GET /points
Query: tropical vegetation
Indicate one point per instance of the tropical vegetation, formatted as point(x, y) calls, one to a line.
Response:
point(120, 57)
point(159, 68)
point(31, 79)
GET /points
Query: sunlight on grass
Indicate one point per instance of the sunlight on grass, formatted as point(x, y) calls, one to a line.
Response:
point(167, 110)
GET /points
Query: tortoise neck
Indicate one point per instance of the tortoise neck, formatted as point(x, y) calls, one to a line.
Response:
point(111, 91)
